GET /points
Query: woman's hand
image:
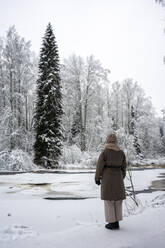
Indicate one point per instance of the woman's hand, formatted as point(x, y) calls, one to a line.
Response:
point(98, 181)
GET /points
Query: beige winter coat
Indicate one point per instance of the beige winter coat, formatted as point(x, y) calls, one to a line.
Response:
point(112, 184)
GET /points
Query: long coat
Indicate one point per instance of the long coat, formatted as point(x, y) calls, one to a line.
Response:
point(112, 183)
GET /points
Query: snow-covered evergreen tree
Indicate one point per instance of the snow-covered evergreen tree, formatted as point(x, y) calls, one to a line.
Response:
point(48, 111)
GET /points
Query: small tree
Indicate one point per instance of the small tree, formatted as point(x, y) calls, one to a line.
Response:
point(133, 131)
point(48, 111)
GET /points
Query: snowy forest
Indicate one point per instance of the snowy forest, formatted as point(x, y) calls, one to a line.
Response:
point(92, 106)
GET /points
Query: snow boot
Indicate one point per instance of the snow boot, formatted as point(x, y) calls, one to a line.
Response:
point(116, 224)
point(110, 226)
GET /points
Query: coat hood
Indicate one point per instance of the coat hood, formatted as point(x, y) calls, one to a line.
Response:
point(112, 146)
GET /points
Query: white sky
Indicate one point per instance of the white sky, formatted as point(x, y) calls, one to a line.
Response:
point(126, 35)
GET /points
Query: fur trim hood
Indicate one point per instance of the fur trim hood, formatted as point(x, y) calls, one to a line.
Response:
point(112, 146)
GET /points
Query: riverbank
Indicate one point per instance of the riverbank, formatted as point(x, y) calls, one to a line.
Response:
point(19, 161)
point(75, 170)
point(81, 225)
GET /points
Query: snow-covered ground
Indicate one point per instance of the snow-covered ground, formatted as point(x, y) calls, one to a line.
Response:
point(159, 162)
point(73, 217)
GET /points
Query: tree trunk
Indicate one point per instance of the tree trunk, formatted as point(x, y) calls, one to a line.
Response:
point(19, 102)
point(26, 112)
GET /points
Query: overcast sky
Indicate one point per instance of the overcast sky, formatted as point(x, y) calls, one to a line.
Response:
point(126, 35)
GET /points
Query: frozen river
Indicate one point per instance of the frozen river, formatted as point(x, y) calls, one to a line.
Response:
point(63, 186)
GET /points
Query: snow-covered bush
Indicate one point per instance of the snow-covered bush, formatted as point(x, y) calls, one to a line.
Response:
point(89, 160)
point(16, 160)
point(126, 144)
point(71, 154)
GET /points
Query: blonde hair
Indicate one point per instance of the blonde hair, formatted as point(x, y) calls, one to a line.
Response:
point(111, 138)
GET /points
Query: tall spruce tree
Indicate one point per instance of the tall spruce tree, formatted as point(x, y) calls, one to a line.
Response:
point(48, 110)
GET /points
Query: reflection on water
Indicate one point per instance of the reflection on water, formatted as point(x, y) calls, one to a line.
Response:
point(161, 175)
point(27, 186)
point(156, 185)
point(50, 193)
point(160, 183)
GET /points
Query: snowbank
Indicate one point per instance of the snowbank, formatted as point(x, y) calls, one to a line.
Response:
point(158, 162)
point(16, 160)
point(73, 158)
point(77, 224)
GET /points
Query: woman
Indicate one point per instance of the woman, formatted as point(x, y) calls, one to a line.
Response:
point(110, 172)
